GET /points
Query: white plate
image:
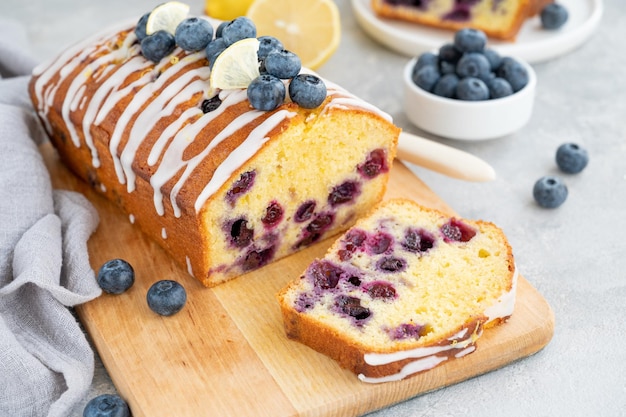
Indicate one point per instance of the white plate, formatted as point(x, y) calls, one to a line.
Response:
point(533, 44)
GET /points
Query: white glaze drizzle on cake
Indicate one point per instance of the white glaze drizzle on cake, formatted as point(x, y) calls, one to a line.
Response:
point(428, 357)
point(155, 93)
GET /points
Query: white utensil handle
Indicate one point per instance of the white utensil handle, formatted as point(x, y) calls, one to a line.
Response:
point(443, 159)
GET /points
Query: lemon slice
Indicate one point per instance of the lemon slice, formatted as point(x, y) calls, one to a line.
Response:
point(166, 17)
point(309, 28)
point(236, 66)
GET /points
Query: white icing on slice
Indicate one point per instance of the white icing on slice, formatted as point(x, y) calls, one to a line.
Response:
point(426, 357)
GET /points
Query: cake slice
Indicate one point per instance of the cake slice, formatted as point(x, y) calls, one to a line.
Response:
point(402, 291)
point(499, 19)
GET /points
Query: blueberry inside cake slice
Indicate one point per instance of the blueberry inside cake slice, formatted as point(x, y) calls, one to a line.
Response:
point(405, 289)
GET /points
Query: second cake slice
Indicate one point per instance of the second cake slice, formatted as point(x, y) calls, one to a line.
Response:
point(404, 290)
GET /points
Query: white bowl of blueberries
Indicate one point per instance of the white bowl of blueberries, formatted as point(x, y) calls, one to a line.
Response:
point(467, 91)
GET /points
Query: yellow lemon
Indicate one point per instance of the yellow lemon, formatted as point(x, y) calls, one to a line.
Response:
point(166, 17)
point(309, 28)
point(226, 9)
point(236, 66)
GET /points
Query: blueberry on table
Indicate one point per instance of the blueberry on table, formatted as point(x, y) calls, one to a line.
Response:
point(193, 34)
point(571, 158)
point(550, 192)
point(307, 90)
point(470, 40)
point(553, 16)
point(166, 297)
point(106, 405)
point(116, 276)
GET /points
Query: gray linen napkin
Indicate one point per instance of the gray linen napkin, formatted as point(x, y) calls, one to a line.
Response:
point(46, 363)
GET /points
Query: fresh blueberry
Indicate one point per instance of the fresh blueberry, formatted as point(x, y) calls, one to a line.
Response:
point(446, 86)
point(116, 276)
point(427, 58)
point(499, 87)
point(571, 158)
point(472, 89)
point(470, 40)
point(220, 28)
point(494, 58)
point(214, 49)
point(106, 405)
point(550, 192)
point(426, 78)
point(282, 64)
point(553, 16)
point(193, 34)
point(238, 29)
point(473, 64)
point(449, 53)
point(266, 92)
point(514, 72)
point(268, 44)
point(307, 90)
point(446, 67)
point(158, 45)
point(166, 297)
point(140, 29)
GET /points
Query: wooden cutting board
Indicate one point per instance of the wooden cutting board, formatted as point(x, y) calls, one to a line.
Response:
point(225, 353)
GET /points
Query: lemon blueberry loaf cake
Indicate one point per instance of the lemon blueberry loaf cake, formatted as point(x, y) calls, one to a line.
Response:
point(405, 289)
point(226, 178)
point(499, 19)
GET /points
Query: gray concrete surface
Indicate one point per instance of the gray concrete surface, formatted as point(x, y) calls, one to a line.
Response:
point(574, 255)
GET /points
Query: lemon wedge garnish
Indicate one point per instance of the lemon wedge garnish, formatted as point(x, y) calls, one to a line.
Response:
point(166, 17)
point(309, 28)
point(236, 66)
